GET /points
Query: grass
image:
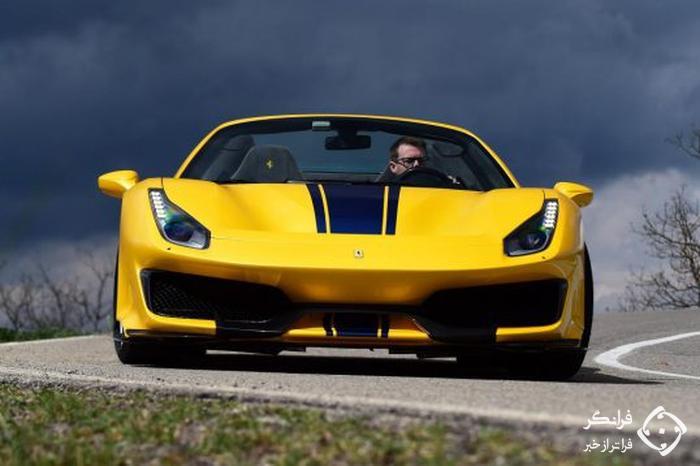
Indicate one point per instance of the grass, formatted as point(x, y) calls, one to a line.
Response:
point(7, 334)
point(44, 426)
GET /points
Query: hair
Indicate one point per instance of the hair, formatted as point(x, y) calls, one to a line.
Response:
point(409, 140)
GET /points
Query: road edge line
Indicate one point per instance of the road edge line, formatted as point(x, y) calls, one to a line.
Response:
point(611, 357)
point(47, 340)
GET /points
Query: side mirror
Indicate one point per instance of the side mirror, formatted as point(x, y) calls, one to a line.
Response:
point(116, 183)
point(580, 194)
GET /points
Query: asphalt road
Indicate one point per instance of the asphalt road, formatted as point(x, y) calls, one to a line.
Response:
point(376, 382)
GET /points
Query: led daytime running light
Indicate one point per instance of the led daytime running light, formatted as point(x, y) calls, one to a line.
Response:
point(550, 214)
point(158, 204)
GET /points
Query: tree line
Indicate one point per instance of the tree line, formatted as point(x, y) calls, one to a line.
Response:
point(672, 235)
point(39, 299)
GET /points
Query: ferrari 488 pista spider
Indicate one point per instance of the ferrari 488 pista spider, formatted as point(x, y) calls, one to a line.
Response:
point(292, 231)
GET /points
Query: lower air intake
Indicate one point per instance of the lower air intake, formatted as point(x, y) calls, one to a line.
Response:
point(510, 305)
point(196, 297)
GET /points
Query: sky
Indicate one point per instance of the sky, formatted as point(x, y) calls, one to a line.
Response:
point(567, 90)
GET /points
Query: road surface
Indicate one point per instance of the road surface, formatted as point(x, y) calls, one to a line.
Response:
point(639, 378)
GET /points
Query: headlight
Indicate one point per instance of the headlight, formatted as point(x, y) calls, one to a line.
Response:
point(535, 234)
point(175, 224)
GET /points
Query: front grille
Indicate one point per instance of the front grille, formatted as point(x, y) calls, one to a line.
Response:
point(196, 297)
point(510, 305)
point(459, 315)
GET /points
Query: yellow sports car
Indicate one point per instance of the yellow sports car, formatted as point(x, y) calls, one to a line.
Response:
point(291, 231)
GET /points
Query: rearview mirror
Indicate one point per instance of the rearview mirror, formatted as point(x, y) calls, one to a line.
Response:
point(116, 183)
point(580, 194)
point(348, 142)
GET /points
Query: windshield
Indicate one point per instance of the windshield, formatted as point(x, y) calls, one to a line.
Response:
point(349, 150)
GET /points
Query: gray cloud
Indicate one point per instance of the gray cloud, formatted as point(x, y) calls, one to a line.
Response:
point(564, 90)
point(618, 205)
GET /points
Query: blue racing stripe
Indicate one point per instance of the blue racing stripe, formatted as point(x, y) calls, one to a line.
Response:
point(392, 209)
point(355, 209)
point(315, 194)
point(355, 325)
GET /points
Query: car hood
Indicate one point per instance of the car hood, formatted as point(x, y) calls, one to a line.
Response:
point(233, 210)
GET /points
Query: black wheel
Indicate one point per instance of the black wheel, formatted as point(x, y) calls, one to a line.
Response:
point(130, 352)
point(559, 364)
point(549, 365)
point(115, 328)
point(157, 352)
point(588, 300)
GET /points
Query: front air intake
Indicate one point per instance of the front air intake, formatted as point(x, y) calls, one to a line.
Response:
point(511, 305)
point(196, 297)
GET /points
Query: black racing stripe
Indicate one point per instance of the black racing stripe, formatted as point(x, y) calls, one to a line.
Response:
point(392, 209)
point(385, 326)
point(355, 209)
point(315, 194)
point(328, 324)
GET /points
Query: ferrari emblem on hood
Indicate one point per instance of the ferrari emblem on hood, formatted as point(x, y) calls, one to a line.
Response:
point(358, 253)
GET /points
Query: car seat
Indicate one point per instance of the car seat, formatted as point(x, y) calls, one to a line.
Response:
point(267, 164)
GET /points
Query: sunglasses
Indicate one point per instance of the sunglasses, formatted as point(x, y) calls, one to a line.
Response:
point(409, 162)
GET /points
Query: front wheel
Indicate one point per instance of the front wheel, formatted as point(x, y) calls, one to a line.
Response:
point(133, 353)
point(549, 365)
point(155, 352)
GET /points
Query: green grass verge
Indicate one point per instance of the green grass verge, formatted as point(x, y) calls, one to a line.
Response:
point(14, 335)
point(83, 427)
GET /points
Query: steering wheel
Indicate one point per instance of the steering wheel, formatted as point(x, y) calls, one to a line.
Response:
point(428, 178)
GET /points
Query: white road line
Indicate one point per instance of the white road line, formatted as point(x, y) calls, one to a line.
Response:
point(610, 358)
point(47, 340)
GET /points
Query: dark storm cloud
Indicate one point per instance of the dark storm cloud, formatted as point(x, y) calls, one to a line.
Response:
point(563, 90)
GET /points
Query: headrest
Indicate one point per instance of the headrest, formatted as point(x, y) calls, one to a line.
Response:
point(267, 164)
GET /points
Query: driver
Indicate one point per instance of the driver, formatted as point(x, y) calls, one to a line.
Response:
point(406, 154)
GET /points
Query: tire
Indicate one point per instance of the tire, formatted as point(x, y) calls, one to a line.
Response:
point(559, 364)
point(157, 353)
point(588, 299)
point(546, 365)
point(130, 352)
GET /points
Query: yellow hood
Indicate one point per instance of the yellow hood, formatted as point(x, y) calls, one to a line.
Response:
point(335, 208)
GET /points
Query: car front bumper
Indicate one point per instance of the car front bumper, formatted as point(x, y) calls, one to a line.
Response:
point(329, 289)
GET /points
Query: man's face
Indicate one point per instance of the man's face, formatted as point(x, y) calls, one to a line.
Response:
point(408, 158)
